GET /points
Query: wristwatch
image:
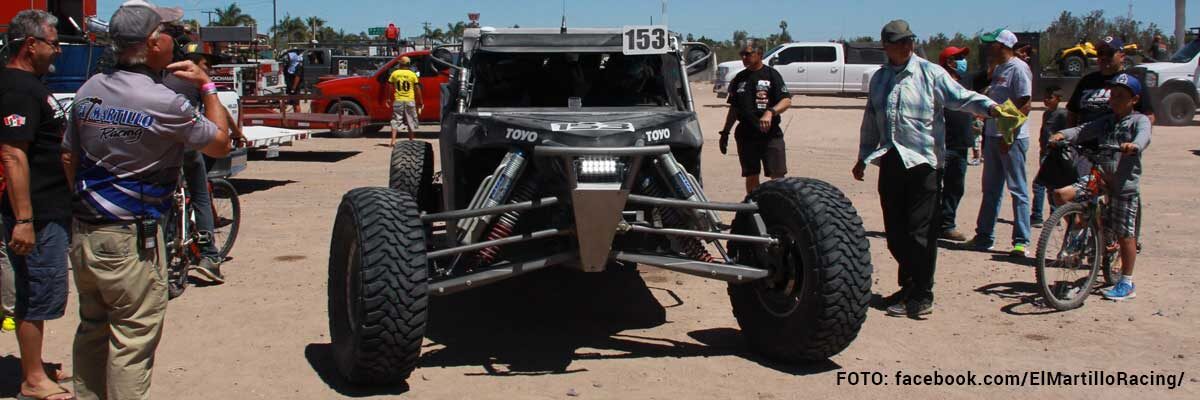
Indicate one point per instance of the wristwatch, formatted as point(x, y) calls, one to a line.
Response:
point(724, 132)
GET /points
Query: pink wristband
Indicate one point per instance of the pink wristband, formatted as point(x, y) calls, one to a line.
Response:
point(208, 88)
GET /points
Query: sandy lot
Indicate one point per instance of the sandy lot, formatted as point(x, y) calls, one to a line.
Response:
point(661, 335)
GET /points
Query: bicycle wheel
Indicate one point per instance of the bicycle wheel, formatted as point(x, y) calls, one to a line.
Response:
point(1068, 257)
point(1112, 260)
point(178, 261)
point(227, 215)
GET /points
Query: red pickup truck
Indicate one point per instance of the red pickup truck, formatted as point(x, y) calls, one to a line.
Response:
point(372, 95)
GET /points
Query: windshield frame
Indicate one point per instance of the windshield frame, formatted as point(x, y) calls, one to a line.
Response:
point(669, 72)
point(1193, 47)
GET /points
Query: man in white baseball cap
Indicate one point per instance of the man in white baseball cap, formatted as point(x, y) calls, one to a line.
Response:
point(1004, 158)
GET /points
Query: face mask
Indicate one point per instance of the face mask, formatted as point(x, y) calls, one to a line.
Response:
point(960, 66)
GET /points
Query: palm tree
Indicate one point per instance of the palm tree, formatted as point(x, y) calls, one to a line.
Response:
point(291, 29)
point(232, 16)
point(454, 32)
point(314, 25)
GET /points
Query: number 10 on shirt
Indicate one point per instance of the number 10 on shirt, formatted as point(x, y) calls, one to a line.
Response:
point(652, 39)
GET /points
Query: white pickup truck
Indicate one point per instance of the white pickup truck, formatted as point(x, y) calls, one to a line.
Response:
point(814, 67)
point(1173, 84)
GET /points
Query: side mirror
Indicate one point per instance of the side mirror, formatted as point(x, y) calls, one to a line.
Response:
point(773, 61)
point(698, 57)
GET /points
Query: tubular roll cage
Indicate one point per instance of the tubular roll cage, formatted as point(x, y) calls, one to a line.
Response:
point(727, 271)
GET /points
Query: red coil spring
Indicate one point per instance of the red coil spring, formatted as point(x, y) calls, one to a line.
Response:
point(504, 224)
point(500, 230)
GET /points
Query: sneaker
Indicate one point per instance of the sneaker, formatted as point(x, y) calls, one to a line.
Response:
point(920, 307)
point(954, 235)
point(211, 270)
point(9, 325)
point(899, 309)
point(1037, 223)
point(978, 244)
point(976, 161)
point(1124, 290)
point(1018, 250)
point(896, 298)
point(912, 309)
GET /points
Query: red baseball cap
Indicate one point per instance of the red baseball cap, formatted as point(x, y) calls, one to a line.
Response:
point(951, 52)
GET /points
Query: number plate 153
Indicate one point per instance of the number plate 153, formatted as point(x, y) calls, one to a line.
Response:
point(653, 39)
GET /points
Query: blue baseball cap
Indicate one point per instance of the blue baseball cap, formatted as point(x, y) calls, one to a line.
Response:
point(1113, 43)
point(1127, 81)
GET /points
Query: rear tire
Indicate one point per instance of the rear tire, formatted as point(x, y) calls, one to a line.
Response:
point(1177, 109)
point(815, 301)
point(1059, 279)
point(349, 108)
point(412, 171)
point(378, 286)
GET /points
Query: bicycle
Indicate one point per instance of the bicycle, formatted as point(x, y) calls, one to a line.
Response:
point(183, 241)
point(1066, 275)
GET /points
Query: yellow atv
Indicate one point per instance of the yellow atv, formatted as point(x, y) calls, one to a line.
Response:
point(1073, 61)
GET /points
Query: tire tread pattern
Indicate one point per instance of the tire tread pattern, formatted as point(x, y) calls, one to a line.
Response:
point(843, 270)
point(394, 285)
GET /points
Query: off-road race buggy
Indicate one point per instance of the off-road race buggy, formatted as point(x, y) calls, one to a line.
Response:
point(581, 149)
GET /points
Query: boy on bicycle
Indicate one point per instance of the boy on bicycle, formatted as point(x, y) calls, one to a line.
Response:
point(1131, 131)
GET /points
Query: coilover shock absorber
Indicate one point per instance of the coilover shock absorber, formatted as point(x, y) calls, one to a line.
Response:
point(504, 225)
point(688, 246)
point(495, 190)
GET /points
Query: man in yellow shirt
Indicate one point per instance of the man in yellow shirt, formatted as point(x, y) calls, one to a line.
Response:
point(407, 99)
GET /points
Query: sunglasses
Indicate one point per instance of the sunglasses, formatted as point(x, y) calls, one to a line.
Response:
point(52, 44)
point(745, 54)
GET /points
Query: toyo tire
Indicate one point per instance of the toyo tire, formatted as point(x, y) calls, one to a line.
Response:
point(378, 289)
point(815, 301)
point(412, 171)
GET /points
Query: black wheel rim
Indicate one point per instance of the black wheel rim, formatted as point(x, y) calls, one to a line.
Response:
point(780, 292)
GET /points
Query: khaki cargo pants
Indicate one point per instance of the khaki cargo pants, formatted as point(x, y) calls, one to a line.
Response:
point(122, 302)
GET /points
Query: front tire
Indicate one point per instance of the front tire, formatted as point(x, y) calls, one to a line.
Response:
point(378, 286)
point(815, 301)
point(350, 108)
point(412, 171)
point(1177, 109)
point(227, 215)
point(1073, 65)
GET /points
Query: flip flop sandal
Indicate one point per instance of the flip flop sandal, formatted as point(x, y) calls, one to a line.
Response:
point(45, 393)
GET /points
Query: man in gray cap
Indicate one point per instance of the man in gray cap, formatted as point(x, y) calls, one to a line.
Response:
point(903, 132)
point(123, 150)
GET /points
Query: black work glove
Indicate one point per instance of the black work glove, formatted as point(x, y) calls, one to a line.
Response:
point(723, 144)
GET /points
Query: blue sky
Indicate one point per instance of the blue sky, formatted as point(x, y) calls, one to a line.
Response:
point(807, 20)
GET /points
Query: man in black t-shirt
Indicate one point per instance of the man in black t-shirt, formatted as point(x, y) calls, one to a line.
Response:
point(757, 96)
point(1089, 102)
point(37, 204)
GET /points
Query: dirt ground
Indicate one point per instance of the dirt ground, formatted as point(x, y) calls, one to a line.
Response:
point(662, 335)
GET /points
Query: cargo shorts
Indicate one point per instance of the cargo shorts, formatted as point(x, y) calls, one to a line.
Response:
point(404, 113)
